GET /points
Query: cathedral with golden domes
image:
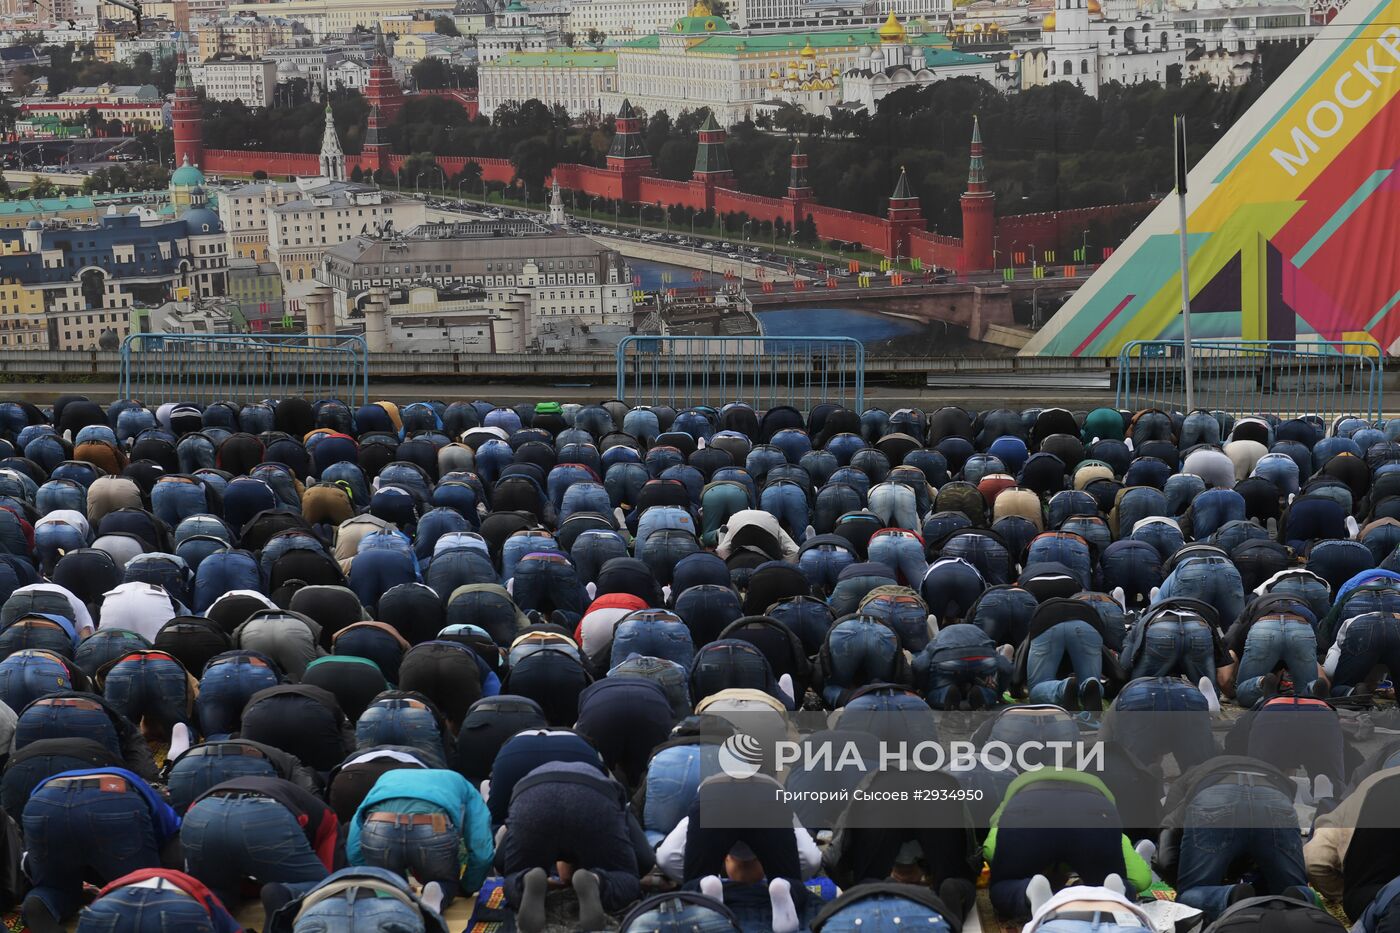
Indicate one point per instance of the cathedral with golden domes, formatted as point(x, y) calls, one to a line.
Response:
point(1093, 42)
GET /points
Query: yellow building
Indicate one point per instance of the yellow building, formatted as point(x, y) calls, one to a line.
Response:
point(22, 321)
point(322, 17)
point(417, 46)
point(244, 36)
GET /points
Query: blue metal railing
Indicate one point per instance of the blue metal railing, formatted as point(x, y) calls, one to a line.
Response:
point(762, 371)
point(157, 368)
point(1280, 377)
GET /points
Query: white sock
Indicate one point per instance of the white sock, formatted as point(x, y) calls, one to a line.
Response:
point(1322, 787)
point(712, 887)
point(1115, 882)
point(785, 684)
point(1038, 892)
point(432, 896)
point(179, 741)
point(1147, 849)
point(784, 910)
point(1208, 691)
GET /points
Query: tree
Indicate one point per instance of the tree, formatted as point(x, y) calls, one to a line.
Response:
point(533, 158)
point(135, 176)
point(433, 73)
point(41, 188)
point(418, 168)
point(596, 37)
point(445, 26)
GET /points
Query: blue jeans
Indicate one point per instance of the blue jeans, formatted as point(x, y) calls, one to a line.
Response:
point(653, 637)
point(27, 676)
point(902, 552)
point(400, 722)
point(1368, 640)
point(822, 565)
point(1078, 640)
point(545, 585)
point(430, 854)
point(359, 912)
point(228, 839)
point(585, 497)
point(675, 915)
point(1071, 551)
point(1272, 641)
point(1153, 716)
point(593, 549)
point(788, 504)
point(149, 687)
point(136, 910)
point(196, 772)
point(45, 721)
point(665, 549)
point(658, 518)
point(517, 546)
point(1173, 645)
point(885, 913)
point(862, 652)
point(226, 687)
point(564, 476)
point(1227, 822)
point(74, 829)
point(1163, 536)
point(1004, 614)
point(1212, 580)
point(896, 504)
point(987, 675)
point(174, 499)
point(672, 781)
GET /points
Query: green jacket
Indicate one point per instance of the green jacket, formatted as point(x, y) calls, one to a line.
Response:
point(1139, 873)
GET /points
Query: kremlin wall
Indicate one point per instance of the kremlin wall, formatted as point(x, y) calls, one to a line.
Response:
point(628, 177)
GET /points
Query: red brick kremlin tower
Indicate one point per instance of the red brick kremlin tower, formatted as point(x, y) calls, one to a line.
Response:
point(978, 211)
point(381, 90)
point(628, 154)
point(187, 115)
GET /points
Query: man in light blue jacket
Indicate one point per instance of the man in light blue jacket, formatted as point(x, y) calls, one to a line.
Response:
point(430, 822)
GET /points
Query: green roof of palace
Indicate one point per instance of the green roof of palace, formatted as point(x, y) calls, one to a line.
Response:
point(562, 58)
point(794, 41)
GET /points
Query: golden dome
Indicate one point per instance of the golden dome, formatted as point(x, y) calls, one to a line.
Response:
point(1095, 8)
point(958, 30)
point(1048, 23)
point(808, 51)
point(977, 27)
point(892, 31)
point(774, 74)
point(701, 8)
point(1015, 56)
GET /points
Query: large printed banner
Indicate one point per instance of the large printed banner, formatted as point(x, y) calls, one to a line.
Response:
point(1293, 215)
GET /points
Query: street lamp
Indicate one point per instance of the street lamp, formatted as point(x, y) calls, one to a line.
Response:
point(417, 180)
point(745, 229)
point(1084, 247)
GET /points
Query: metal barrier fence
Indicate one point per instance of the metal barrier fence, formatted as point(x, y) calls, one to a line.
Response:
point(157, 368)
point(762, 371)
point(1255, 376)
